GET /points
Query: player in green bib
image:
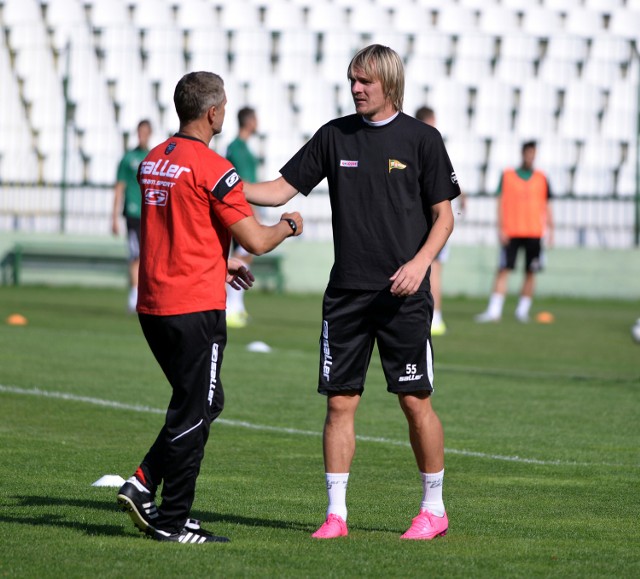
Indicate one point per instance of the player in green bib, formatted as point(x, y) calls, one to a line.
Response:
point(128, 202)
point(246, 164)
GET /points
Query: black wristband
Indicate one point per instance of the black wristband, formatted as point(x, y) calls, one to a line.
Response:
point(292, 224)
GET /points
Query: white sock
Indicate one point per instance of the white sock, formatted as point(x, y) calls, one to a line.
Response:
point(524, 305)
point(133, 299)
point(432, 493)
point(496, 301)
point(337, 492)
point(235, 300)
point(437, 318)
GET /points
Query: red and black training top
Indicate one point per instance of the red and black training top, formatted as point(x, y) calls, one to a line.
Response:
point(190, 197)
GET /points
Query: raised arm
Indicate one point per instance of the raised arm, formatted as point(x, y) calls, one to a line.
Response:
point(258, 239)
point(269, 193)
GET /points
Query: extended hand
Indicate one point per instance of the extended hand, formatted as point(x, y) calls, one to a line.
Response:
point(298, 220)
point(238, 275)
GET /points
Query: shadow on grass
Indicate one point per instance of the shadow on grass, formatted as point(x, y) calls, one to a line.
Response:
point(59, 520)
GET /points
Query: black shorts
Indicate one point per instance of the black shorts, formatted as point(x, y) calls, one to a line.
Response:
point(533, 253)
point(133, 238)
point(353, 320)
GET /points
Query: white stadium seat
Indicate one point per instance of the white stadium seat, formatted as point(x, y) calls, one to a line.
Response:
point(496, 71)
point(494, 106)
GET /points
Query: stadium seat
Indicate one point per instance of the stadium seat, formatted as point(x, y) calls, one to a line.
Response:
point(494, 108)
point(420, 70)
point(562, 5)
point(599, 153)
point(604, 5)
point(164, 51)
point(520, 5)
point(411, 18)
point(607, 58)
point(152, 14)
point(239, 15)
point(108, 13)
point(296, 55)
point(593, 182)
point(498, 20)
point(281, 15)
point(468, 156)
point(435, 44)
point(625, 23)
point(563, 60)
point(474, 57)
point(337, 49)
point(541, 22)
point(20, 12)
point(451, 101)
point(368, 18)
point(621, 107)
point(585, 23)
point(626, 183)
point(195, 14)
point(250, 52)
point(537, 109)
point(325, 17)
point(518, 56)
point(583, 105)
point(315, 105)
point(207, 49)
point(64, 19)
point(272, 100)
point(456, 19)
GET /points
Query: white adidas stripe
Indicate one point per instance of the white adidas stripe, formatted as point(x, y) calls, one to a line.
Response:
point(294, 431)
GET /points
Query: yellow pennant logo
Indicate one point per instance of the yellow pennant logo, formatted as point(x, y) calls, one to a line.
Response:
point(395, 164)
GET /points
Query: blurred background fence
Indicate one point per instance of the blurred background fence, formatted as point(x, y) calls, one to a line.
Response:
point(76, 76)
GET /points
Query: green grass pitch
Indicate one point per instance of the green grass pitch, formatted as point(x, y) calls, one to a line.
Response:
point(542, 426)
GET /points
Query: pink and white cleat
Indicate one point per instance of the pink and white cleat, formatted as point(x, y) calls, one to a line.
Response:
point(427, 526)
point(334, 526)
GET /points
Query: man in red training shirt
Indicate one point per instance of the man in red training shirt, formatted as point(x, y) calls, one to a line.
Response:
point(193, 203)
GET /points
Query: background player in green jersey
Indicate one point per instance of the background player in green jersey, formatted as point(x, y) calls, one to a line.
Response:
point(246, 164)
point(127, 201)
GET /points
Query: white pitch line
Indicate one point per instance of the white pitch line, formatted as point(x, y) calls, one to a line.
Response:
point(284, 430)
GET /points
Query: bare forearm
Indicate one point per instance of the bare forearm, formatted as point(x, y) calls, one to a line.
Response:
point(269, 193)
point(259, 239)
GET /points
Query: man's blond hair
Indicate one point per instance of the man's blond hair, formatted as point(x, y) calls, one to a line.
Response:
point(384, 64)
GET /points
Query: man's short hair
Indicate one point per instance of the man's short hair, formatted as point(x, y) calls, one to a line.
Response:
point(529, 145)
point(144, 123)
point(244, 115)
point(196, 93)
point(382, 63)
point(425, 114)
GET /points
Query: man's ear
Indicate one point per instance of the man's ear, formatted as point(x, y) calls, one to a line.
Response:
point(211, 114)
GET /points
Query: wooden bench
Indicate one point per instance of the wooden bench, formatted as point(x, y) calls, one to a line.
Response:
point(42, 255)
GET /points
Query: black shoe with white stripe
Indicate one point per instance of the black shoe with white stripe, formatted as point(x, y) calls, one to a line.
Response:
point(190, 533)
point(137, 500)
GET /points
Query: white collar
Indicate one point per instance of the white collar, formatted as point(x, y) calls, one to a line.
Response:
point(381, 123)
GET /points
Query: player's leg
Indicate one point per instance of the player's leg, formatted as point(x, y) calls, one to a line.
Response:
point(493, 313)
point(533, 264)
point(237, 316)
point(438, 327)
point(133, 243)
point(189, 350)
point(346, 345)
point(407, 360)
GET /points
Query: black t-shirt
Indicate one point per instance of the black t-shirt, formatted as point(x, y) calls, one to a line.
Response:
point(382, 183)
